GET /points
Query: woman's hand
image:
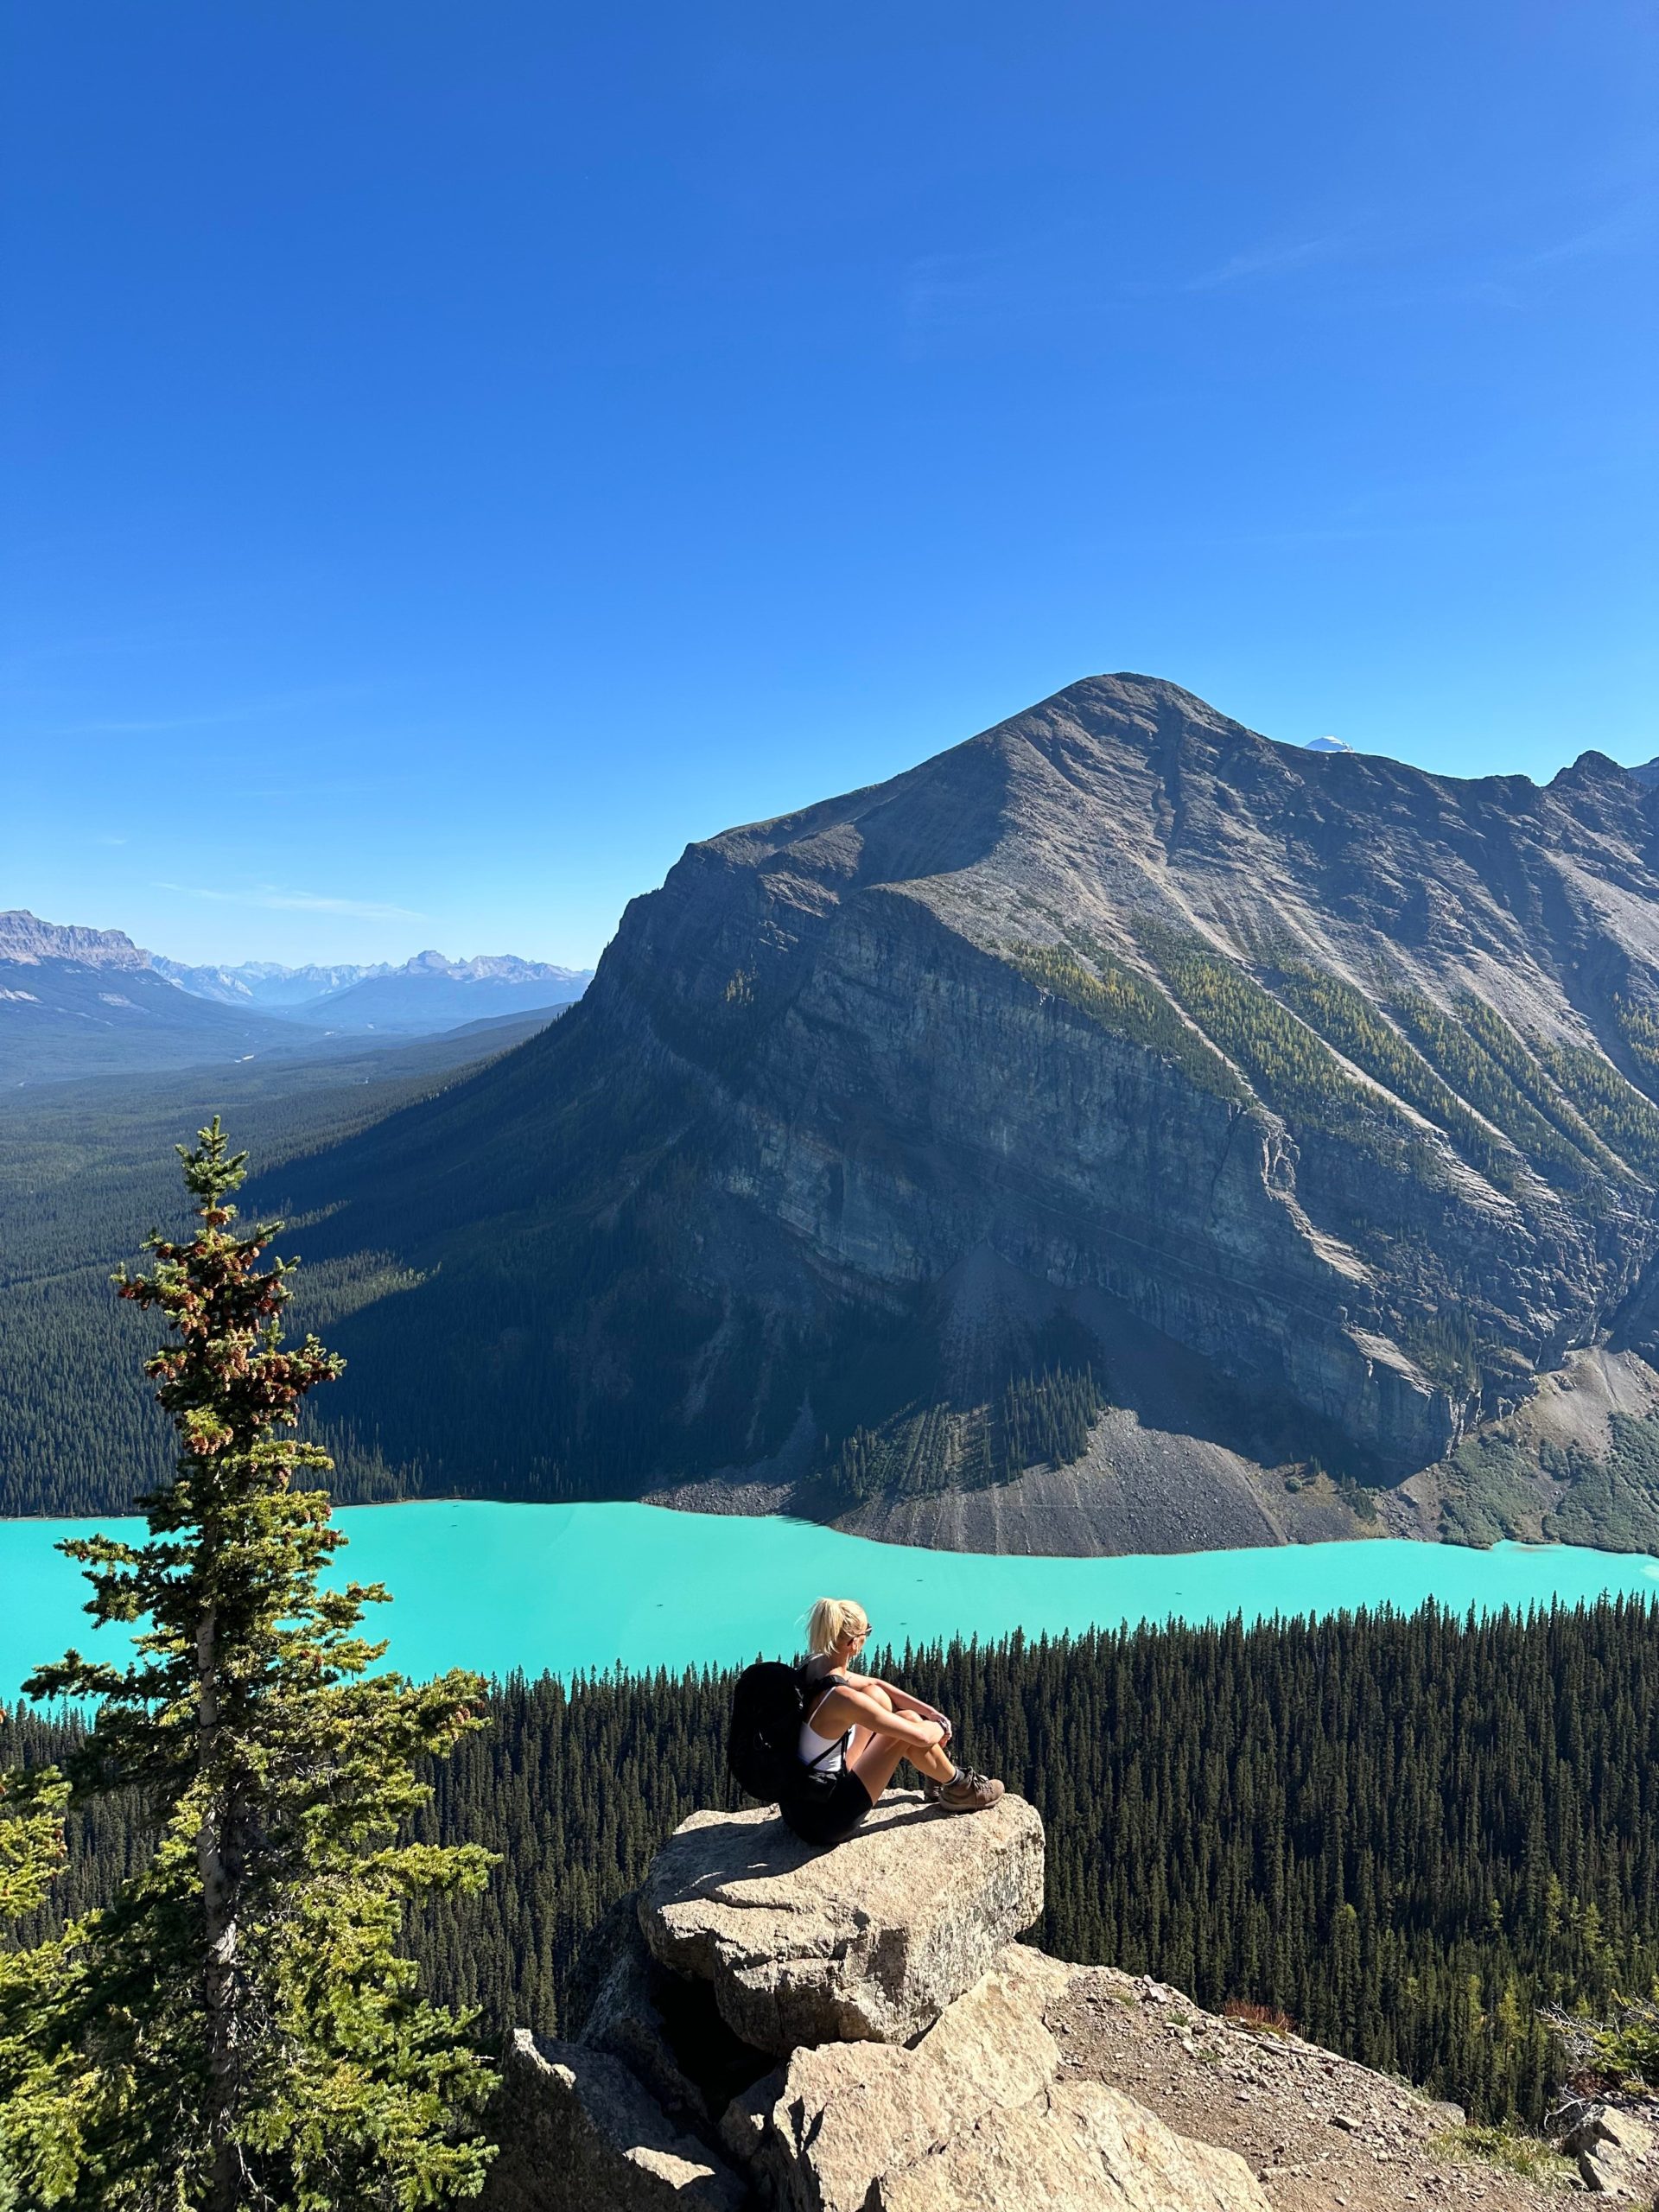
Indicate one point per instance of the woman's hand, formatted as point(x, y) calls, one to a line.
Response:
point(907, 1701)
point(925, 1712)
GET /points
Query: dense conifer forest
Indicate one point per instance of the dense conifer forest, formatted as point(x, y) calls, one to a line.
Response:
point(1407, 1834)
point(90, 1169)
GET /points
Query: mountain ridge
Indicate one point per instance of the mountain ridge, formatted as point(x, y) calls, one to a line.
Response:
point(25, 939)
point(268, 982)
point(1312, 1077)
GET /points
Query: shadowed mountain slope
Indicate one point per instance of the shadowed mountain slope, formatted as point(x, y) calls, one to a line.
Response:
point(1295, 1104)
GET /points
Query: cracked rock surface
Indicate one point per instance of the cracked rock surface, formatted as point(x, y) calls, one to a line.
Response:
point(782, 2029)
point(868, 1942)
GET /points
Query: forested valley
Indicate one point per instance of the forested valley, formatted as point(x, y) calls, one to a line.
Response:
point(1407, 1834)
point(90, 1168)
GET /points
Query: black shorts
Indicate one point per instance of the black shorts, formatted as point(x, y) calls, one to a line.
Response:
point(830, 1815)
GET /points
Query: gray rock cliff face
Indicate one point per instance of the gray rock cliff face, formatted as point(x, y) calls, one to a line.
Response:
point(1118, 1026)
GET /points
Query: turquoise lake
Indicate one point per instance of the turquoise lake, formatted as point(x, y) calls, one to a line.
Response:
point(564, 1587)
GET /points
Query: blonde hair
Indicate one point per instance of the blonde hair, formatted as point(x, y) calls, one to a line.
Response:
point(833, 1620)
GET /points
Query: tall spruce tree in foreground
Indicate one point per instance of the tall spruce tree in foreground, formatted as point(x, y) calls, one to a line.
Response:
point(238, 2029)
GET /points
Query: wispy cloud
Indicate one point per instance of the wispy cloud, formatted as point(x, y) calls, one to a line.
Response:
point(1272, 258)
point(271, 895)
point(1625, 230)
point(1061, 281)
point(157, 725)
point(948, 296)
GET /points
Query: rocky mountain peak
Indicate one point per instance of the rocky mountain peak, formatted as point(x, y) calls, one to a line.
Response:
point(25, 938)
point(1047, 1145)
point(487, 967)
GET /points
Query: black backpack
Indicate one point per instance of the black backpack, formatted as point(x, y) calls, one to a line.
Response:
point(763, 1750)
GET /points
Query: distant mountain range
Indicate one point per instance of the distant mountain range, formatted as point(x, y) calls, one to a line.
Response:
point(82, 1001)
point(426, 993)
point(263, 982)
point(1119, 1132)
point(429, 993)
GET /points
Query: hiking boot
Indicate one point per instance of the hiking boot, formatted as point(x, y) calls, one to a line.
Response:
point(969, 1793)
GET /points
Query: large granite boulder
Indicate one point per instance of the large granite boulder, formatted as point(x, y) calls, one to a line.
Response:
point(918, 2070)
point(627, 2021)
point(869, 1941)
point(666, 2030)
point(578, 2133)
point(969, 2119)
point(1614, 2150)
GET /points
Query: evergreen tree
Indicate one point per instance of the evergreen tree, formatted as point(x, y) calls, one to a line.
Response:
point(36, 2084)
point(237, 2029)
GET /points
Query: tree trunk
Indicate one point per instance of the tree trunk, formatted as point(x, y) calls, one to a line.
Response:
point(218, 1936)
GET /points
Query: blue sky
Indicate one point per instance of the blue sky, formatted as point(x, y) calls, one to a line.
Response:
point(453, 456)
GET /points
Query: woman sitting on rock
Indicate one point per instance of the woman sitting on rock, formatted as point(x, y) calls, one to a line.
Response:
point(859, 1729)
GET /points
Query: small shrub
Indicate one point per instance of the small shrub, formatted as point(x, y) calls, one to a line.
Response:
point(1267, 2019)
point(1512, 2148)
point(1626, 2049)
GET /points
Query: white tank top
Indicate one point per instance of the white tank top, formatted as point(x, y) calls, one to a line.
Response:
point(825, 1754)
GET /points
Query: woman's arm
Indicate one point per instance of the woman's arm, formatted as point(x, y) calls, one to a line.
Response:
point(903, 1701)
point(852, 1708)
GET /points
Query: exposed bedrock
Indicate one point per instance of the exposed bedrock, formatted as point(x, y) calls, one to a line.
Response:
point(1329, 1075)
point(909, 2065)
point(866, 1943)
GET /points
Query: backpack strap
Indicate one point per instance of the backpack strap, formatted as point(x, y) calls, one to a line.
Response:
point(822, 1684)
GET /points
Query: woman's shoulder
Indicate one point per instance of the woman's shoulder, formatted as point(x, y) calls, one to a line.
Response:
point(821, 1688)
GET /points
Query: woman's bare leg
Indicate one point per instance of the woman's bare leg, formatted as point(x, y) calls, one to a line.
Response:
point(883, 1756)
point(862, 1738)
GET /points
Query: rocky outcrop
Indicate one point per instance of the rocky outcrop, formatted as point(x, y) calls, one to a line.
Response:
point(869, 1942)
point(971, 2117)
point(577, 2131)
point(1616, 2154)
point(920, 2073)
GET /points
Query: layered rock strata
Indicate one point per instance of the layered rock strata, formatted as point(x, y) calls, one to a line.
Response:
point(1296, 1107)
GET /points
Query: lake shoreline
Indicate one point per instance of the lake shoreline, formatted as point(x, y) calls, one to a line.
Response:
point(572, 1588)
point(699, 1500)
